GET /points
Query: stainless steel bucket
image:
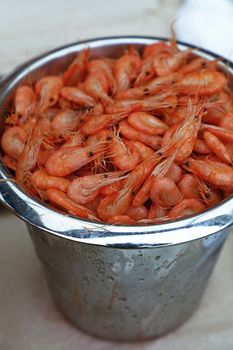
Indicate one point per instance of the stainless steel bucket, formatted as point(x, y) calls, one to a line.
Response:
point(121, 283)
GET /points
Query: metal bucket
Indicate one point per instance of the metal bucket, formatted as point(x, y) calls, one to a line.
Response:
point(119, 282)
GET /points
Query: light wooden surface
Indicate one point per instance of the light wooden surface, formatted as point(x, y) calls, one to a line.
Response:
point(28, 319)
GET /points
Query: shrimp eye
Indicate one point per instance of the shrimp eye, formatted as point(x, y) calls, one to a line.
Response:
point(105, 176)
point(133, 193)
point(207, 195)
point(187, 164)
point(91, 154)
point(146, 91)
point(108, 138)
point(147, 73)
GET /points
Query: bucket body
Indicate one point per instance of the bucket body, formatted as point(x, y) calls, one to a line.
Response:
point(126, 294)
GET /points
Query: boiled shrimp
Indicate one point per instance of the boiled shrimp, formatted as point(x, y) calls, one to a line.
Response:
point(24, 103)
point(42, 181)
point(13, 141)
point(48, 89)
point(60, 199)
point(84, 189)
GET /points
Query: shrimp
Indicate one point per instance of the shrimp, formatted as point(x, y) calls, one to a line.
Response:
point(66, 160)
point(119, 203)
point(132, 134)
point(174, 172)
point(222, 133)
point(189, 187)
point(183, 136)
point(217, 147)
point(28, 158)
point(121, 219)
point(158, 49)
point(147, 123)
point(165, 193)
point(124, 154)
point(159, 171)
point(144, 150)
point(201, 147)
point(126, 69)
point(204, 83)
point(77, 69)
point(24, 103)
point(209, 195)
point(185, 208)
point(143, 194)
point(227, 122)
point(84, 189)
point(138, 213)
point(9, 162)
point(97, 123)
point(101, 65)
point(60, 199)
point(111, 188)
point(65, 121)
point(166, 64)
point(48, 89)
point(216, 173)
point(42, 181)
point(156, 212)
point(13, 141)
point(97, 86)
point(194, 65)
point(78, 96)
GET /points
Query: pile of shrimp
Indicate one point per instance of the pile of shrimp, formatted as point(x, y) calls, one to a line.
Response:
point(143, 138)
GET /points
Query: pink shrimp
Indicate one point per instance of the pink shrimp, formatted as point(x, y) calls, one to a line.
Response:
point(222, 133)
point(48, 89)
point(217, 147)
point(165, 193)
point(42, 181)
point(24, 103)
point(147, 123)
point(188, 186)
point(78, 96)
point(132, 134)
point(166, 64)
point(65, 121)
point(119, 203)
point(124, 154)
point(138, 213)
point(60, 199)
point(97, 123)
point(183, 136)
point(28, 158)
point(158, 172)
point(126, 68)
point(201, 147)
point(9, 162)
point(227, 121)
point(84, 189)
point(185, 208)
point(217, 173)
point(121, 219)
point(101, 65)
point(77, 69)
point(13, 141)
point(144, 150)
point(174, 172)
point(156, 212)
point(202, 83)
point(96, 85)
point(66, 160)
